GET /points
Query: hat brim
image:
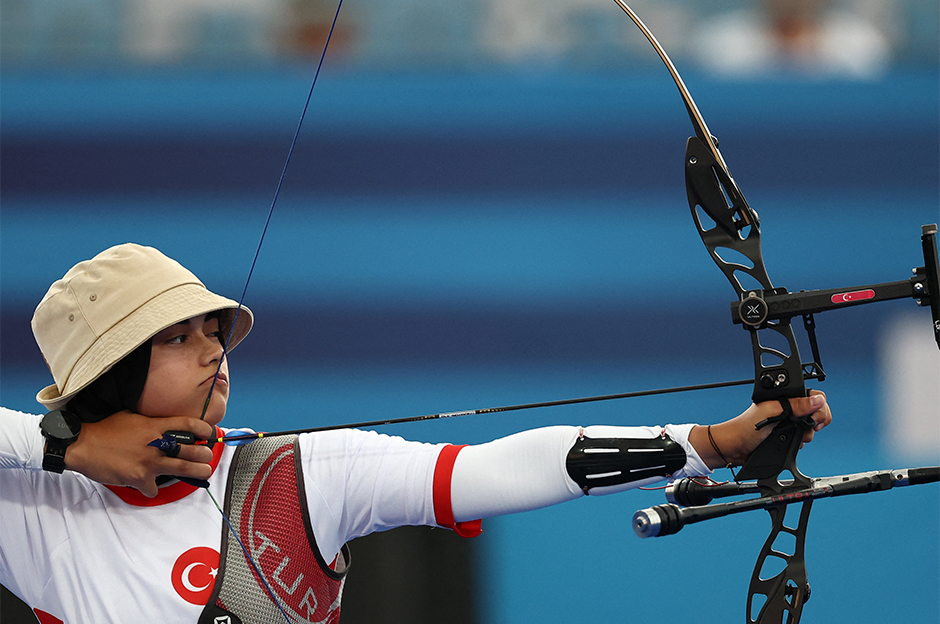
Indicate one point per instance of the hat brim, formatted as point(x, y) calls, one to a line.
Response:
point(168, 308)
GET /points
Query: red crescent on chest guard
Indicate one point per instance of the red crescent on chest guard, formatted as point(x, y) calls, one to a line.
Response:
point(279, 545)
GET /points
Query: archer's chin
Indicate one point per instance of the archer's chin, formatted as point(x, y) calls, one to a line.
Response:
point(216, 411)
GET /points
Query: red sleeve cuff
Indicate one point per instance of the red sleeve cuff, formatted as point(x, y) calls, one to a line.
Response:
point(443, 512)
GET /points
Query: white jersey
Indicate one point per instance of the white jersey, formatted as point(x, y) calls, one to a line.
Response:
point(80, 552)
point(85, 552)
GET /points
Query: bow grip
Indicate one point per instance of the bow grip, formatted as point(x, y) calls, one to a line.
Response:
point(777, 453)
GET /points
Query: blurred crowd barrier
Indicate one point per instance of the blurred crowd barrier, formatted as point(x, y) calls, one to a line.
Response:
point(859, 38)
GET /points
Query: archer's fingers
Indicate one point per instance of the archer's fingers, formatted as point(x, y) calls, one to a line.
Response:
point(189, 464)
point(200, 428)
point(816, 406)
point(142, 479)
point(198, 453)
point(181, 468)
point(147, 488)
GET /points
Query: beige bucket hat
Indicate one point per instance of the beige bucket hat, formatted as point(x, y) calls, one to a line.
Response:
point(106, 307)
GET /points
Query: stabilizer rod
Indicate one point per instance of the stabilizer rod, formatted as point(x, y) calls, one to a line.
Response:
point(670, 518)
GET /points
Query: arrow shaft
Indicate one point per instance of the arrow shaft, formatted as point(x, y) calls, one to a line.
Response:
point(492, 410)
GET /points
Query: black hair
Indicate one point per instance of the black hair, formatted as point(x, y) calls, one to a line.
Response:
point(117, 389)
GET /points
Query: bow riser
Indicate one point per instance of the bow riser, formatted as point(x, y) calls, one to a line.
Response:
point(735, 227)
point(778, 376)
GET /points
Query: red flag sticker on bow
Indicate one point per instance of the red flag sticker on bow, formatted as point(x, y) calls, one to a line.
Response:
point(858, 295)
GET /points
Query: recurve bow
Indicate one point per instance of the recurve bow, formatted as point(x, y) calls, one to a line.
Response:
point(730, 229)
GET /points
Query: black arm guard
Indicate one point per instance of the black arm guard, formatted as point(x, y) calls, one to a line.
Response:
point(613, 461)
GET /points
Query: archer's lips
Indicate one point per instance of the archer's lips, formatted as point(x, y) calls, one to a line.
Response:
point(221, 380)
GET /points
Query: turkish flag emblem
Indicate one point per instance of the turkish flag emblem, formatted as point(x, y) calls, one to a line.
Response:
point(194, 574)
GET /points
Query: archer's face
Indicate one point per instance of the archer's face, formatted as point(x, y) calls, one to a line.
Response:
point(183, 362)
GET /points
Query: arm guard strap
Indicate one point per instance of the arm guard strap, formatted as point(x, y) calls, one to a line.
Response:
point(604, 462)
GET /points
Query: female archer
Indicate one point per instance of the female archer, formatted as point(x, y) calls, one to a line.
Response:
point(100, 525)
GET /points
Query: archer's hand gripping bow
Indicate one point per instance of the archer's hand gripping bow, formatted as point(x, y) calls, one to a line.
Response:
point(727, 224)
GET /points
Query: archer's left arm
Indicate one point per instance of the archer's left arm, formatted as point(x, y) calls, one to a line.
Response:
point(551, 465)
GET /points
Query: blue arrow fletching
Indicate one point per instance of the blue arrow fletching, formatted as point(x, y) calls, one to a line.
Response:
point(240, 432)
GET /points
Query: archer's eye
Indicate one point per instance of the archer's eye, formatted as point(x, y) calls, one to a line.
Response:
point(213, 329)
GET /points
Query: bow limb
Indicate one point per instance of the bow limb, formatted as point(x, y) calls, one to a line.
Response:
point(698, 122)
point(727, 223)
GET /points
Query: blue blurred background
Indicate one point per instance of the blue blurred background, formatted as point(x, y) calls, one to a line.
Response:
point(486, 207)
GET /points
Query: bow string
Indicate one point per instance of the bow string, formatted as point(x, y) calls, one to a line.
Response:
point(277, 192)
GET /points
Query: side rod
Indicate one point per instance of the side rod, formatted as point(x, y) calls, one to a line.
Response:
point(670, 518)
point(780, 305)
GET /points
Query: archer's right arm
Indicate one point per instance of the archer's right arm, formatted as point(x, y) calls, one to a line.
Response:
point(113, 451)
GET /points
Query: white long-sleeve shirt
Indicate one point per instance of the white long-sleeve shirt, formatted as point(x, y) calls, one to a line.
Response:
point(84, 552)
